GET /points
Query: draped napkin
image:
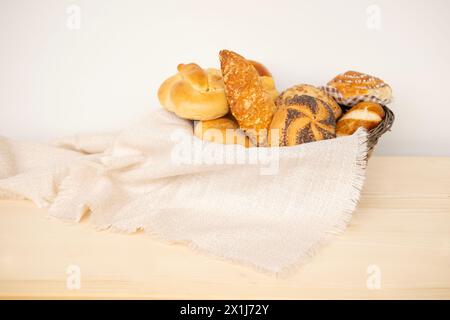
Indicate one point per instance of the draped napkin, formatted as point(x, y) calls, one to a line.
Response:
point(269, 208)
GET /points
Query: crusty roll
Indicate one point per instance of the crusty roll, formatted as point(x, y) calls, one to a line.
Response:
point(222, 130)
point(262, 70)
point(266, 78)
point(302, 119)
point(194, 93)
point(309, 90)
point(269, 86)
point(199, 94)
point(250, 103)
point(358, 86)
point(364, 114)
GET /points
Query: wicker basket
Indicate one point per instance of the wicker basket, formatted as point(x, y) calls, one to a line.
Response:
point(384, 126)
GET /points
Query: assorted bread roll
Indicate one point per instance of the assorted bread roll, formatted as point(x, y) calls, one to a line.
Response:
point(239, 104)
point(260, 68)
point(301, 119)
point(352, 87)
point(365, 114)
point(309, 90)
point(194, 93)
point(266, 78)
point(199, 94)
point(250, 103)
point(222, 130)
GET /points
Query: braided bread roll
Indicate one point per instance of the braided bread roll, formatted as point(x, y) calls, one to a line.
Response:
point(194, 93)
point(301, 119)
point(199, 94)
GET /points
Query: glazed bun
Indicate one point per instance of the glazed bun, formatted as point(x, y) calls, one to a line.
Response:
point(312, 91)
point(353, 87)
point(365, 114)
point(222, 130)
point(302, 119)
point(194, 93)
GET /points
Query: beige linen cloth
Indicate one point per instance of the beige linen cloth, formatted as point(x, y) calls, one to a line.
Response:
point(269, 208)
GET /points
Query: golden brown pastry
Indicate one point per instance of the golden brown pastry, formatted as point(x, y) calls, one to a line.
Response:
point(302, 119)
point(194, 93)
point(222, 130)
point(262, 70)
point(364, 114)
point(358, 87)
point(269, 86)
point(198, 94)
point(266, 78)
point(250, 103)
point(308, 90)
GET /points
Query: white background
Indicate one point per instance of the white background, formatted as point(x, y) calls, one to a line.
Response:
point(57, 81)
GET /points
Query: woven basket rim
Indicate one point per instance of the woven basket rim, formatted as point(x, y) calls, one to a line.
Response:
point(384, 126)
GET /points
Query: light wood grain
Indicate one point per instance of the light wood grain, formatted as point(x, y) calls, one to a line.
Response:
point(402, 226)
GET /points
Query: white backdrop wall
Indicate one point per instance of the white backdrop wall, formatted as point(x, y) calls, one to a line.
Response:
point(95, 65)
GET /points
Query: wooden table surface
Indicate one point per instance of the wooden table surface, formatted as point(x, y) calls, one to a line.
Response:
point(396, 246)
